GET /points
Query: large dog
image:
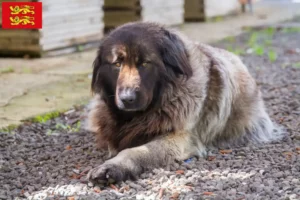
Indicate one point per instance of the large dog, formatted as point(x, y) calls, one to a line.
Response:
point(159, 97)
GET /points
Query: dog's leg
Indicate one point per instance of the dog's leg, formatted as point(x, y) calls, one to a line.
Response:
point(129, 163)
point(111, 151)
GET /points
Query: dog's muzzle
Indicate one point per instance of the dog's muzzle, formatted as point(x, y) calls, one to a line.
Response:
point(128, 99)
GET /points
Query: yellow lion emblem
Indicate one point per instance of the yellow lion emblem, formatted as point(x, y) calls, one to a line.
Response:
point(15, 10)
point(23, 20)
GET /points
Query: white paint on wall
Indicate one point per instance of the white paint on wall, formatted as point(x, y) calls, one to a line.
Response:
point(168, 12)
point(220, 7)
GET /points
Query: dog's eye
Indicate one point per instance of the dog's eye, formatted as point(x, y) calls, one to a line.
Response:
point(117, 64)
point(145, 64)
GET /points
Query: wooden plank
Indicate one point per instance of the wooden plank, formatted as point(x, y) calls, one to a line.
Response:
point(194, 15)
point(121, 4)
point(194, 10)
point(20, 48)
point(116, 18)
point(71, 7)
point(20, 53)
point(70, 31)
point(60, 2)
point(193, 5)
point(155, 10)
point(88, 17)
point(61, 41)
point(29, 34)
point(160, 3)
point(0, 15)
point(71, 41)
point(71, 49)
point(66, 25)
point(70, 12)
point(50, 40)
point(18, 41)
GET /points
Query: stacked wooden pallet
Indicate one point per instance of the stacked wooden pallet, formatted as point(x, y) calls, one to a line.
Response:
point(66, 24)
point(168, 12)
point(194, 10)
point(200, 10)
point(118, 12)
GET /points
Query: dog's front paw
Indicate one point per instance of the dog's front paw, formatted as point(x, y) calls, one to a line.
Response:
point(109, 173)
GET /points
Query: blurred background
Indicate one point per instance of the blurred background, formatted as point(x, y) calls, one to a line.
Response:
point(48, 69)
point(74, 25)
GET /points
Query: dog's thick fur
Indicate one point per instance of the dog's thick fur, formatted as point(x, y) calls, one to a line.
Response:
point(191, 96)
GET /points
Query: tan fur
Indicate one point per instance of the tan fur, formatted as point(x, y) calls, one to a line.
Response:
point(219, 105)
point(130, 76)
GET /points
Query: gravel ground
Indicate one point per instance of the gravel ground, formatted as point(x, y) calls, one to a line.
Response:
point(50, 160)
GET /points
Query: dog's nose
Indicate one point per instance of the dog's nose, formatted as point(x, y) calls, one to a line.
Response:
point(127, 96)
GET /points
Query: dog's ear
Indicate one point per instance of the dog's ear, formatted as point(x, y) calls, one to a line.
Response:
point(96, 66)
point(174, 54)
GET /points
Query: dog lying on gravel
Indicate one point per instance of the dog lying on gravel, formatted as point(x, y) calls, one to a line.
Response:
point(160, 97)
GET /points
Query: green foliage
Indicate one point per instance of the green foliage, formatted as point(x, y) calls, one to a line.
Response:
point(44, 118)
point(9, 129)
point(296, 65)
point(291, 30)
point(259, 50)
point(253, 39)
point(27, 70)
point(69, 128)
point(236, 51)
point(80, 48)
point(217, 19)
point(248, 28)
point(7, 70)
point(272, 55)
point(230, 39)
point(268, 42)
point(269, 31)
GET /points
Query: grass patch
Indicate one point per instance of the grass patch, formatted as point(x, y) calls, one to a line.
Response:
point(253, 39)
point(259, 50)
point(237, 51)
point(27, 70)
point(291, 30)
point(64, 127)
point(7, 70)
point(296, 65)
point(45, 117)
point(268, 42)
point(272, 55)
point(74, 128)
point(80, 48)
point(9, 129)
point(259, 40)
point(269, 31)
point(229, 39)
point(216, 19)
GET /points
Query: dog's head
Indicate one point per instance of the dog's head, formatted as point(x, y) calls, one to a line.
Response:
point(135, 61)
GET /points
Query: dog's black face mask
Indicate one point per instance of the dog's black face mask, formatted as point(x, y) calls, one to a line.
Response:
point(133, 64)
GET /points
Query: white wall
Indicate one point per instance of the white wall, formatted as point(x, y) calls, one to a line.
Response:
point(220, 7)
point(168, 12)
